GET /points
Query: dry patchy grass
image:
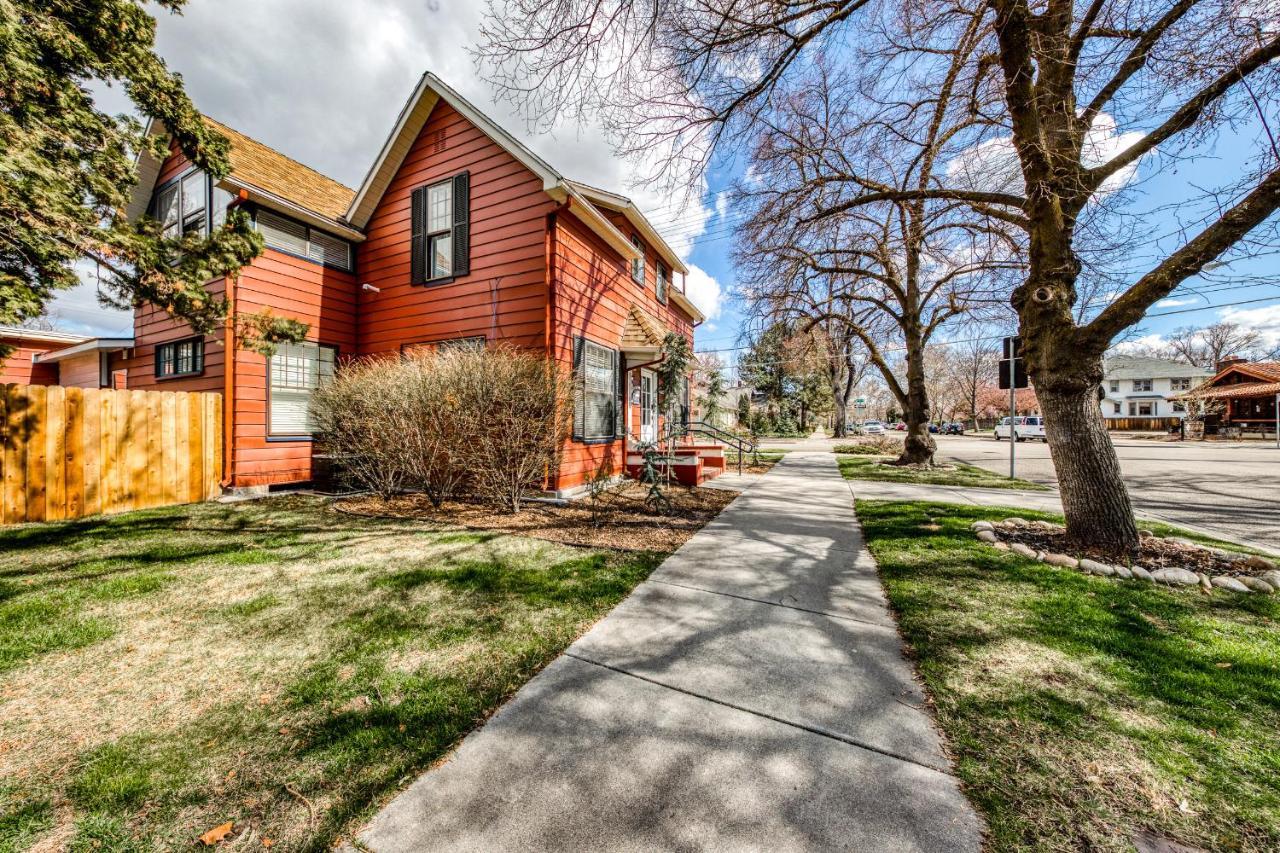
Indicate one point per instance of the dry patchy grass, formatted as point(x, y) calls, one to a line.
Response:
point(276, 664)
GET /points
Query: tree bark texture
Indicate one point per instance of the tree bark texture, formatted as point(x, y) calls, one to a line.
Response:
point(1094, 498)
point(919, 446)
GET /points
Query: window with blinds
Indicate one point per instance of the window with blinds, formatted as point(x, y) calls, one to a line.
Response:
point(297, 370)
point(293, 237)
point(596, 413)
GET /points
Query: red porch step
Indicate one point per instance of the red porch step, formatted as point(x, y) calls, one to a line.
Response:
point(691, 465)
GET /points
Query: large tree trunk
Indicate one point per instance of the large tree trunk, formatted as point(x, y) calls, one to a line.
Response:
point(1094, 498)
point(919, 447)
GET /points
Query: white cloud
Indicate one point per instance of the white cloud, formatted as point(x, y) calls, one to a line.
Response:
point(1174, 303)
point(1146, 343)
point(1265, 321)
point(703, 291)
point(992, 165)
point(323, 81)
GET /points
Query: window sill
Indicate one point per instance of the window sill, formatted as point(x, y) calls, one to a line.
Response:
point(179, 376)
point(436, 282)
point(609, 440)
point(278, 438)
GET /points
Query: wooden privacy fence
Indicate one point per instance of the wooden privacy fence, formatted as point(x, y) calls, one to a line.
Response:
point(72, 452)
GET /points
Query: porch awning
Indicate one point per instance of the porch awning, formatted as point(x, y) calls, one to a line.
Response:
point(642, 335)
point(1224, 392)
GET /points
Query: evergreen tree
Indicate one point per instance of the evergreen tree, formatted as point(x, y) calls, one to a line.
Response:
point(68, 168)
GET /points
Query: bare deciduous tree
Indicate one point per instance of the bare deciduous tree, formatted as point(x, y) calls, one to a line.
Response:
point(1071, 98)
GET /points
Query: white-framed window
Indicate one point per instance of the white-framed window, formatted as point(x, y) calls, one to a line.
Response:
point(440, 230)
point(180, 358)
point(596, 413)
point(1115, 384)
point(440, 221)
point(663, 275)
point(182, 205)
point(288, 235)
point(1179, 408)
point(1142, 385)
point(637, 264)
point(295, 371)
point(1181, 383)
point(1115, 408)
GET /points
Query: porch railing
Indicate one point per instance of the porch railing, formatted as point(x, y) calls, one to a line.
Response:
point(729, 439)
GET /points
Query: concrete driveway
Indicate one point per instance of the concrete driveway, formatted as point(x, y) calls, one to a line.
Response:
point(1232, 487)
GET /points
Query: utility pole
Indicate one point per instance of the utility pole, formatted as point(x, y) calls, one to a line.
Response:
point(1013, 375)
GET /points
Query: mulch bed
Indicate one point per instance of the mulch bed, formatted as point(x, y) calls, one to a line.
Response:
point(1156, 553)
point(621, 519)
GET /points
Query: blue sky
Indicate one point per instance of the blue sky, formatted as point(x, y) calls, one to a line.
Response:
point(322, 81)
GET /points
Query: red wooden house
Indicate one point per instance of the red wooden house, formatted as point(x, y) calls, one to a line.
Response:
point(458, 234)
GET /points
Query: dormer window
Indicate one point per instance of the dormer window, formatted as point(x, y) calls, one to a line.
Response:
point(182, 205)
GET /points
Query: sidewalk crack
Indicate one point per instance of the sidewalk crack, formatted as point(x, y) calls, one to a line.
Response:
point(801, 726)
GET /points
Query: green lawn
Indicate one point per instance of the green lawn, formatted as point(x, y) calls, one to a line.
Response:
point(1082, 709)
point(273, 663)
point(952, 474)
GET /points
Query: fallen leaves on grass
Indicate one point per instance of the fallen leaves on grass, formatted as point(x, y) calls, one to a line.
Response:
point(217, 834)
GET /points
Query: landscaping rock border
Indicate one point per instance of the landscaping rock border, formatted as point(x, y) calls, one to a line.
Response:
point(1266, 582)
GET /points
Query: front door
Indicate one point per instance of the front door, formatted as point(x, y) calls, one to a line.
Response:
point(648, 406)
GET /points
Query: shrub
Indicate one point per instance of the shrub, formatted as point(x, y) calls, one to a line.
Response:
point(877, 445)
point(490, 420)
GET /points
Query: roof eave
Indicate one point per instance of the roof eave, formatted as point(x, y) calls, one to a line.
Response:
point(685, 303)
point(91, 345)
point(636, 217)
point(274, 202)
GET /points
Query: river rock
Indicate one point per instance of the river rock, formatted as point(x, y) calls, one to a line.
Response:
point(1261, 564)
point(981, 525)
point(1023, 551)
point(1123, 572)
point(1258, 585)
point(1141, 574)
point(1224, 582)
point(1205, 583)
point(1182, 540)
point(1093, 567)
point(1272, 578)
point(988, 536)
point(1017, 522)
point(1000, 546)
point(1062, 560)
point(1145, 534)
point(1175, 577)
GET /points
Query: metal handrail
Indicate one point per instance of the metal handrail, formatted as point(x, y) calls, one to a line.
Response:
point(723, 436)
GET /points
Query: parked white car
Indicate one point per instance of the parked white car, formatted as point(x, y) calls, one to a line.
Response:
point(873, 428)
point(1023, 428)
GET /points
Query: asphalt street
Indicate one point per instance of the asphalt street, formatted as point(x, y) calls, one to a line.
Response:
point(1233, 487)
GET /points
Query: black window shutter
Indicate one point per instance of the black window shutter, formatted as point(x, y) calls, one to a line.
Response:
point(418, 243)
point(620, 408)
point(462, 224)
point(579, 394)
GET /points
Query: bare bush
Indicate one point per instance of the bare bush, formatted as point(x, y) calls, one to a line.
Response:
point(489, 421)
point(516, 409)
point(354, 413)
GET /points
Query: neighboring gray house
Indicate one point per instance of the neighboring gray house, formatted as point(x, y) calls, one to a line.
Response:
point(1140, 387)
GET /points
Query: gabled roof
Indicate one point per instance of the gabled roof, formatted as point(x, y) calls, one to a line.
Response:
point(1146, 367)
point(624, 205)
point(1266, 374)
point(641, 332)
point(257, 165)
point(266, 176)
point(582, 197)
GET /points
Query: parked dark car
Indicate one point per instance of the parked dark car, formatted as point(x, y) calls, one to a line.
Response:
point(935, 428)
point(953, 428)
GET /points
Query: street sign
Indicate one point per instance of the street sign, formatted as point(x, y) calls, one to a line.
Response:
point(1013, 375)
point(1013, 369)
point(860, 403)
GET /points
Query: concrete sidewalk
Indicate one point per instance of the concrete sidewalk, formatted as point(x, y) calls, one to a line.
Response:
point(751, 695)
